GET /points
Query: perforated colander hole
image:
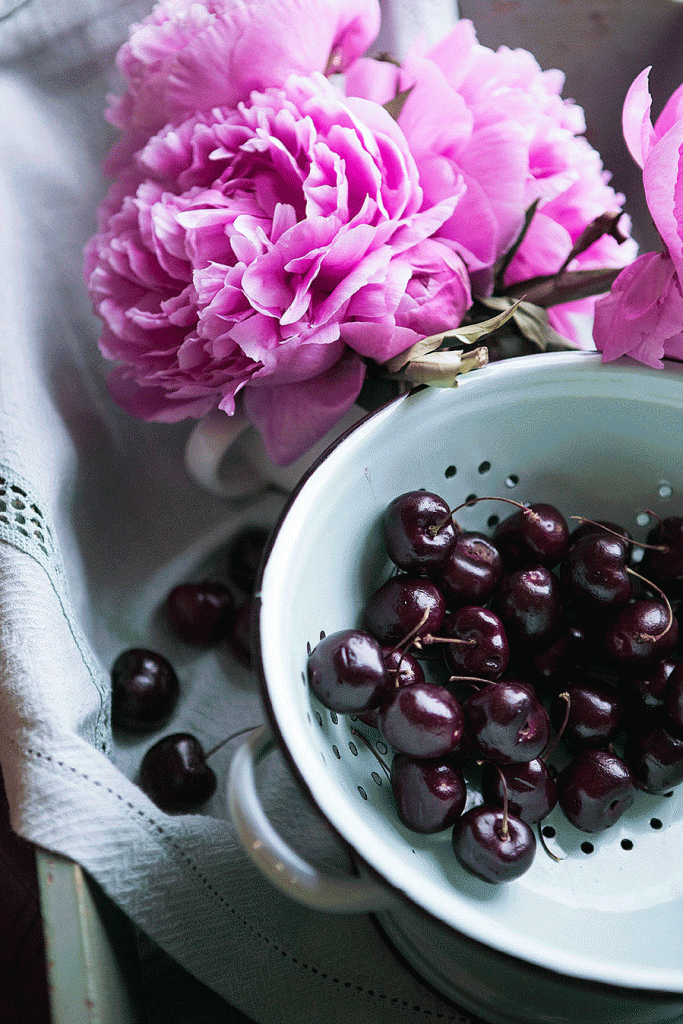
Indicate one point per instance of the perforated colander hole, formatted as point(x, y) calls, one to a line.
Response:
point(469, 498)
point(643, 519)
point(548, 831)
point(637, 555)
point(376, 777)
point(484, 467)
point(362, 792)
point(382, 747)
point(450, 471)
point(353, 748)
point(655, 823)
point(512, 480)
point(334, 717)
point(665, 490)
point(492, 522)
point(335, 751)
point(319, 718)
point(626, 844)
point(587, 847)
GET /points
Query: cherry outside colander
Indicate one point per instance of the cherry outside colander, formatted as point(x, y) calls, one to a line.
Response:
point(596, 936)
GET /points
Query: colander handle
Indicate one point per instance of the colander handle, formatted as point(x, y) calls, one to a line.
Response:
point(275, 859)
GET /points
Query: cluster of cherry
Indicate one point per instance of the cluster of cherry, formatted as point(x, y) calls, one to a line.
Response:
point(145, 686)
point(540, 640)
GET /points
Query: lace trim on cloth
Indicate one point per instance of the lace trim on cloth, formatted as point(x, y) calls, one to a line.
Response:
point(24, 525)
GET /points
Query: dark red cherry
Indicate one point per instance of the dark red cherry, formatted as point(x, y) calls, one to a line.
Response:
point(403, 670)
point(423, 720)
point(538, 535)
point(492, 845)
point(602, 527)
point(673, 701)
point(347, 673)
point(645, 691)
point(655, 757)
point(430, 795)
point(485, 652)
point(595, 789)
point(569, 648)
point(200, 613)
point(531, 788)
point(507, 722)
point(593, 717)
point(528, 601)
point(245, 552)
point(145, 690)
point(240, 633)
point(640, 632)
point(469, 573)
point(594, 573)
point(418, 531)
point(175, 775)
point(399, 606)
point(665, 567)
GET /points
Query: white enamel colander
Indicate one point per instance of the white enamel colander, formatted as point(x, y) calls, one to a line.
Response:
point(597, 935)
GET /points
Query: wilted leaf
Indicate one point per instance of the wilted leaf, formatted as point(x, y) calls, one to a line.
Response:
point(507, 257)
point(441, 369)
point(554, 289)
point(531, 321)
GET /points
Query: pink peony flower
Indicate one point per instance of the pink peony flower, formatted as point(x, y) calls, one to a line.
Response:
point(497, 123)
point(643, 315)
point(269, 249)
point(188, 56)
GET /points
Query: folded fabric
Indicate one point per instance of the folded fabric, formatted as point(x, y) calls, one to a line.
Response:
point(98, 521)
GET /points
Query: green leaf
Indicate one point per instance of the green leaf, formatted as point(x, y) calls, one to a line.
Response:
point(466, 335)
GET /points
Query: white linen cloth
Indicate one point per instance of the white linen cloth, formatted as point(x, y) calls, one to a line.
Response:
point(98, 520)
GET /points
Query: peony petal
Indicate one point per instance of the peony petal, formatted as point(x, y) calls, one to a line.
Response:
point(636, 124)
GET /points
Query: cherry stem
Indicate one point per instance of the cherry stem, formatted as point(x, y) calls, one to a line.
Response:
point(475, 501)
point(545, 847)
point(368, 744)
point(470, 679)
point(626, 540)
point(409, 636)
point(567, 701)
point(665, 599)
point(428, 638)
point(651, 513)
point(233, 736)
point(504, 830)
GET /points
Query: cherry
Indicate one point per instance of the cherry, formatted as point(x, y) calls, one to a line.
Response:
point(642, 631)
point(418, 531)
point(665, 567)
point(145, 690)
point(400, 606)
point(245, 552)
point(507, 722)
point(174, 773)
point(594, 716)
point(200, 613)
point(403, 670)
point(528, 602)
point(655, 757)
point(485, 652)
point(647, 689)
point(530, 786)
point(535, 535)
point(470, 571)
point(568, 649)
point(595, 789)
point(423, 720)
point(493, 845)
point(430, 795)
point(347, 673)
point(239, 636)
point(594, 573)
point(600, 526)
point(673, 701)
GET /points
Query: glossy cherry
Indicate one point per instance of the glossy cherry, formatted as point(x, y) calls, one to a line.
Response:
point(484, 651)
point(642, 631)
point(529, 603)
point(403, 670)
point(645, 691)
point(493, 845)
point(507, 722)
point(537, 535)
point(568, 649)
point(175, 775)
point(470, 571)
point(418, 531)
point(600, 526)
point(595, 789)
point(245, 552)
point(200, 613)
point(594, 573)
point(403, 604)
point(665, 567)
point(423, 720)
point(673, 701)
point(530, 786)
point(145, 690)
point(347, 673)
point(593, 718)
point(430, 795)
point(655, 757)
